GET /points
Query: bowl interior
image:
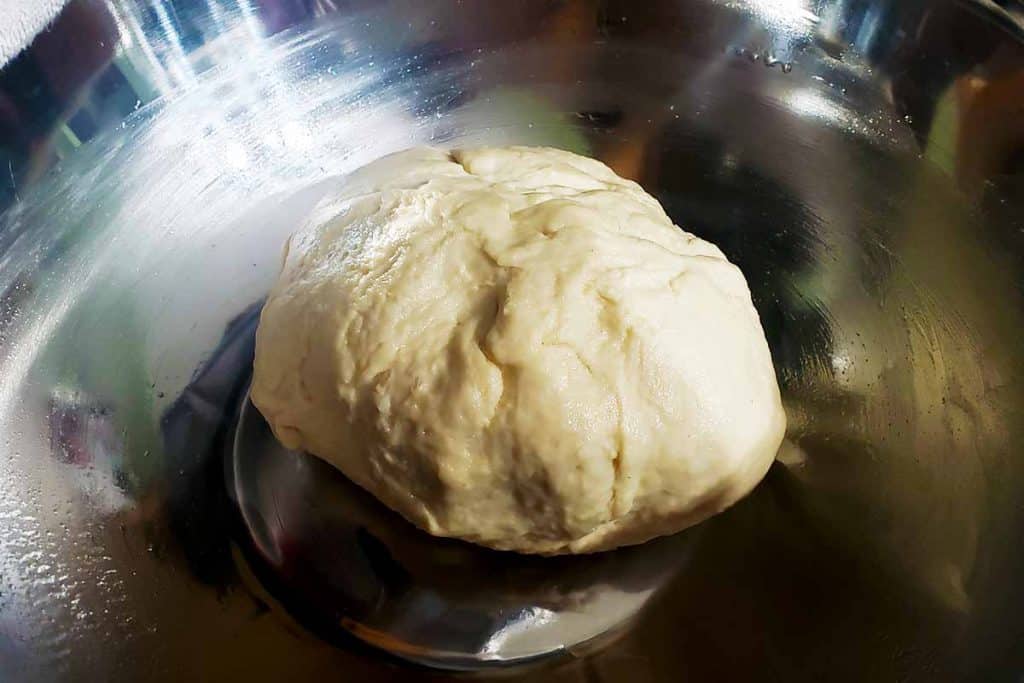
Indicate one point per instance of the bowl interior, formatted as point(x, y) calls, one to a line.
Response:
point(858, 164)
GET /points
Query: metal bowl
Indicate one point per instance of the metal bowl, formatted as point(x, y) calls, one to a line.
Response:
point(860, 161)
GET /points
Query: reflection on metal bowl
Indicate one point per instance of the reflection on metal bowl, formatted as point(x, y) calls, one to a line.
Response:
point(861, 162)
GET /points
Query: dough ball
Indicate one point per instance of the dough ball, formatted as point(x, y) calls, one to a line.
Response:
point(516, 347)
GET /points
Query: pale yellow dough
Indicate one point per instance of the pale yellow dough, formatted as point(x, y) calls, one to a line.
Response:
point(516, 347)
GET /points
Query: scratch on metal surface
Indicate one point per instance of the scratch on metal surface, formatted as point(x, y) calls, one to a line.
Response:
point(14, 185)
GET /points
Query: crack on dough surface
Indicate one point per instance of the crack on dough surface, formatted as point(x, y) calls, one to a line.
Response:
point(516, 347)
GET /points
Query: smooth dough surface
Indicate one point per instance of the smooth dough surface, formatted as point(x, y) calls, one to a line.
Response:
point(516, 347)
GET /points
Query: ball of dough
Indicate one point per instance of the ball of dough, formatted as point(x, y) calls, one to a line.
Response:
point(516, 347)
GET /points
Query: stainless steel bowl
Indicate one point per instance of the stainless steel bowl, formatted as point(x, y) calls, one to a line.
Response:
point(862, 161)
